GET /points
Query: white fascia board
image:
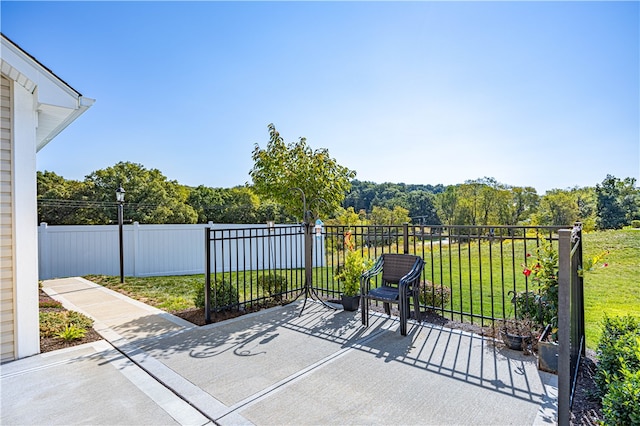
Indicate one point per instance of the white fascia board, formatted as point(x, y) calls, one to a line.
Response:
point(53, 120)
point(58, 104)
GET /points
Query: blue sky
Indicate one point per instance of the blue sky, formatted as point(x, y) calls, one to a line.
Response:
point(541, 94)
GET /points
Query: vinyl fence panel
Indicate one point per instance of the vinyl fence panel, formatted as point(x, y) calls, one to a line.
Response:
point(151, 250)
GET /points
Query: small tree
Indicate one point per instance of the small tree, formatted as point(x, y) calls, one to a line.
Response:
point(280, 168)
point(618, 202)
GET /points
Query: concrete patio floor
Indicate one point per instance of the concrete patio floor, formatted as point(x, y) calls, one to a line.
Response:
point(273, 367)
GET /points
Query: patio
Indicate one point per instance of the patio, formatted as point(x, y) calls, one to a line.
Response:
point(323, 367)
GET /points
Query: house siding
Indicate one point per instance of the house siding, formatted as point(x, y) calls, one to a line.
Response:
point(7, 276)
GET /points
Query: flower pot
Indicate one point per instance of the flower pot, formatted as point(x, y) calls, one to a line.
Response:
point(515, 341)
point(350, 303)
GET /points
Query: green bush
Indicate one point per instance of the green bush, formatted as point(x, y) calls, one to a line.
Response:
point(223, 295)
point(273, 285)
point(49, 304)
point(621, 404)
point(635, 223)
point(198, 297)
point(71, 332)
point(349, 273)
point(437, 296)
point(618, 347)
point(618, 370)
point(530, 305)
point(54, 323)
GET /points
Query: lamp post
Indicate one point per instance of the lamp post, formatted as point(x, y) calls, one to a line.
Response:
point(120, 199)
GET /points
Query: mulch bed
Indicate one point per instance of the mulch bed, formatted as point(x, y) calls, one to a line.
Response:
point(196, 315)
point(48, 344)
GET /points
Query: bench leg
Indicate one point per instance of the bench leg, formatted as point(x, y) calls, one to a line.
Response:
point(416, 306)
point(404, 308)
point(364, 311)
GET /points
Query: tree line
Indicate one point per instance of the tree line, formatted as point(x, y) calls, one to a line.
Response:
point(152, 198)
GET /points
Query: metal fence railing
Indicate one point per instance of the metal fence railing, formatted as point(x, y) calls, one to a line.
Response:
point(470, 273)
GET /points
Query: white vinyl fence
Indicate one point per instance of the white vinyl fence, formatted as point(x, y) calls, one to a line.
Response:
point(149, 250)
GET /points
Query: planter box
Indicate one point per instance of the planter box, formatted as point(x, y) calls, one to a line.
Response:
point(547, 353)
point(350, 303)
point(548, 357)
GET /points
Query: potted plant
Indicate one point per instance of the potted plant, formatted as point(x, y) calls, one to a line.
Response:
point(349, 274)
point(517, 334)
point(541, 307)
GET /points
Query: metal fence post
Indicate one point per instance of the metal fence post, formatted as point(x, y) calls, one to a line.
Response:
point(308, 254)
point(564, 326)
point(405, 231)
point(207, 275)
point(579, 297)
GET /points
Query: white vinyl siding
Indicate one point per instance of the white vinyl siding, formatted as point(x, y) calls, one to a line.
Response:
point(7, 317)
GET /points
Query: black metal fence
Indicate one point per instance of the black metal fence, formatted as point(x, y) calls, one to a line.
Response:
point(242, 263)
point(470, 274)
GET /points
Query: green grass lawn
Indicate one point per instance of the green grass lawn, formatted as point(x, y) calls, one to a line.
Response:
point(614, 290)
point(177, 293)
point(172, 293)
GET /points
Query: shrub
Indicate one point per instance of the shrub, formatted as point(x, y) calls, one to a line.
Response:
point(273, 285)
point(621, 404)
point(54, 323)
point(223, 295)
point(71, 332)
point(530, 305)
point(618, 348)
point(349, 273)
point(198, 297)
point(49, 304)
point(635, 223)
point(434, 295)
point(618, 370)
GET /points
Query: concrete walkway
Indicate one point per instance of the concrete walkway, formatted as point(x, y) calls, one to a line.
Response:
point(268, 368)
